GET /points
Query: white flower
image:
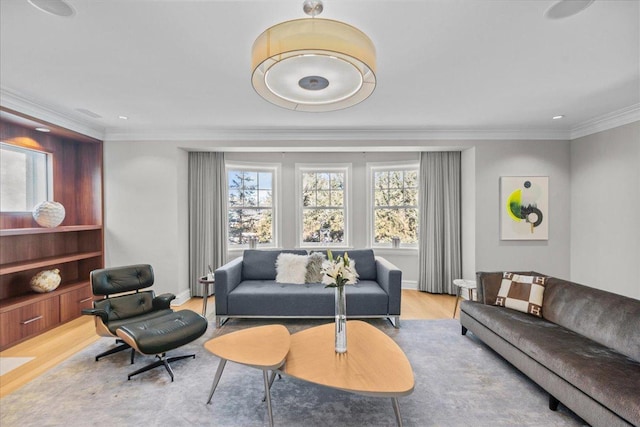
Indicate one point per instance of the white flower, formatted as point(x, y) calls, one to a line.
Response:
point(339, 272)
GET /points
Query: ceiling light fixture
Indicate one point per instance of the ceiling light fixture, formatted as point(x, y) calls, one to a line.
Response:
point(123, 117)
point(566, 8)
point(313, 64)
point(558, 117)
point(54, 7)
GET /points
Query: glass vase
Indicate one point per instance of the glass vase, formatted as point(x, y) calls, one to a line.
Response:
point(341, 320)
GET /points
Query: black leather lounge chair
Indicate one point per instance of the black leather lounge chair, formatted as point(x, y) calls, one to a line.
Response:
point(139, 319)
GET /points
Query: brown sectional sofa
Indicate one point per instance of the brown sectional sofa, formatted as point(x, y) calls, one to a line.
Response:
point(584, 351)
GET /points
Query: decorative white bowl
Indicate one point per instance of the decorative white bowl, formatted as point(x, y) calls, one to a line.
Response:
point(46, 281)
point(49, 214)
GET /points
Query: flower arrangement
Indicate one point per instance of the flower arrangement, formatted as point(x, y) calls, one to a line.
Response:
point(339, 271)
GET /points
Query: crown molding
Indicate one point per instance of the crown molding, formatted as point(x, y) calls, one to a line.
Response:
point(14, 101)
point(607, 121)
point(329, 134)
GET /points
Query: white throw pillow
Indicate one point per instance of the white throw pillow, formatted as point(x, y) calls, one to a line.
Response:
point(291, 268)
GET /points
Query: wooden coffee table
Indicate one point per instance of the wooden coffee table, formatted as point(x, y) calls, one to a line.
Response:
point(263, 347)
point(374, 365)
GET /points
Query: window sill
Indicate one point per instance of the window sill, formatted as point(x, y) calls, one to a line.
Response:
point(244, 248)
point(324, 248)
point(395, 251)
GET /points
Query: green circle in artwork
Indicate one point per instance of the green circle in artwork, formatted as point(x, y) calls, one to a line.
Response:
point(514, 203)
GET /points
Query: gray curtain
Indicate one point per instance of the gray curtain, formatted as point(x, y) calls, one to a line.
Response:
point(440, 253)
point(207, 215)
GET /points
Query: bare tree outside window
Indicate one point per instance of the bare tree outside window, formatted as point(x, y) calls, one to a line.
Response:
point(323, 207)
point(395, 210)
point(250, 205)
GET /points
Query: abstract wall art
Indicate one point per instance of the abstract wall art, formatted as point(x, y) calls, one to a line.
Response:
point(524, 208)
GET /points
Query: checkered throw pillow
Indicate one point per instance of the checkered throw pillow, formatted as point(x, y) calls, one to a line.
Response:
point(522, 293)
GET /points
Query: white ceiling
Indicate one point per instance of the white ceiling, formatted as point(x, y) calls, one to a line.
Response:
point(444, 67)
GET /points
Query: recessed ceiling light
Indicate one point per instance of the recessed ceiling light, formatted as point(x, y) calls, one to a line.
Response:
point(566, 8)
point(123, 117)
point(43, 130)
point(558, 117)
point(54, 7)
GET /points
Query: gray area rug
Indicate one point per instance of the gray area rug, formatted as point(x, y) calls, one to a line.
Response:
point(459, 382)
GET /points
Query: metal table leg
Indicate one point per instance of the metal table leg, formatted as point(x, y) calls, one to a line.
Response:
point(216, 379)
point(205, 294)
point(267, 392)
point(396, 410)
point(205, 297)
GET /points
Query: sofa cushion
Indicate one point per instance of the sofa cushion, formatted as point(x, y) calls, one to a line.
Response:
point(314, 267)
point(365, 262)
point(268, 298)
point(260, 264)
point(291, 268)
point(607, 318)
point(600, 372)
point(522, 293)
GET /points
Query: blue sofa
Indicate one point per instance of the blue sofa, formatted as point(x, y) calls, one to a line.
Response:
point(246, 287)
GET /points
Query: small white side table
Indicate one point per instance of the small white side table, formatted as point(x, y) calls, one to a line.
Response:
point(469, 285)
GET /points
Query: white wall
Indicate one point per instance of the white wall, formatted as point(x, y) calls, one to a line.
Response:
point(146, 210)
point(146, 203)
point(605, 207)
point(522, 158)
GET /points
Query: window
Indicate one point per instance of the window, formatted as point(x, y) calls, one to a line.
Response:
point(25, 178)
point(395, 204)
point(251, 204)
point(323, 219)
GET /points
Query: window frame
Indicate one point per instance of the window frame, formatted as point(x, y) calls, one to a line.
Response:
point(373, 167)
point(275, 169)
point(48, 174)
point(301, 168)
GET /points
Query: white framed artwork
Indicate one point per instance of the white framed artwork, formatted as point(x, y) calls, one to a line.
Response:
point(524, 208)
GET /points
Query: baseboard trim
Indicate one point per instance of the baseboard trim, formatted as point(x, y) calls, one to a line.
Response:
point(182, 297)
point(410, 284)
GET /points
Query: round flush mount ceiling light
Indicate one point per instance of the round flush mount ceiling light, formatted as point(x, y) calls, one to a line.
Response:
point(313, 64)
point(54, 7)
point(566, 8)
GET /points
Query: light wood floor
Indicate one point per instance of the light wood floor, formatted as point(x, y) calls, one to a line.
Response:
point(54, 346)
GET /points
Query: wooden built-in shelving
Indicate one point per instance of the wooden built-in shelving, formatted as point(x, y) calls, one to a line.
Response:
point(8, 304)
point(75, 247)
point(45, 262)
point(60, 229)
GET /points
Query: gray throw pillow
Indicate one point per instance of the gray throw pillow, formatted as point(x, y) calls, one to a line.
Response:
point(314, 267)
